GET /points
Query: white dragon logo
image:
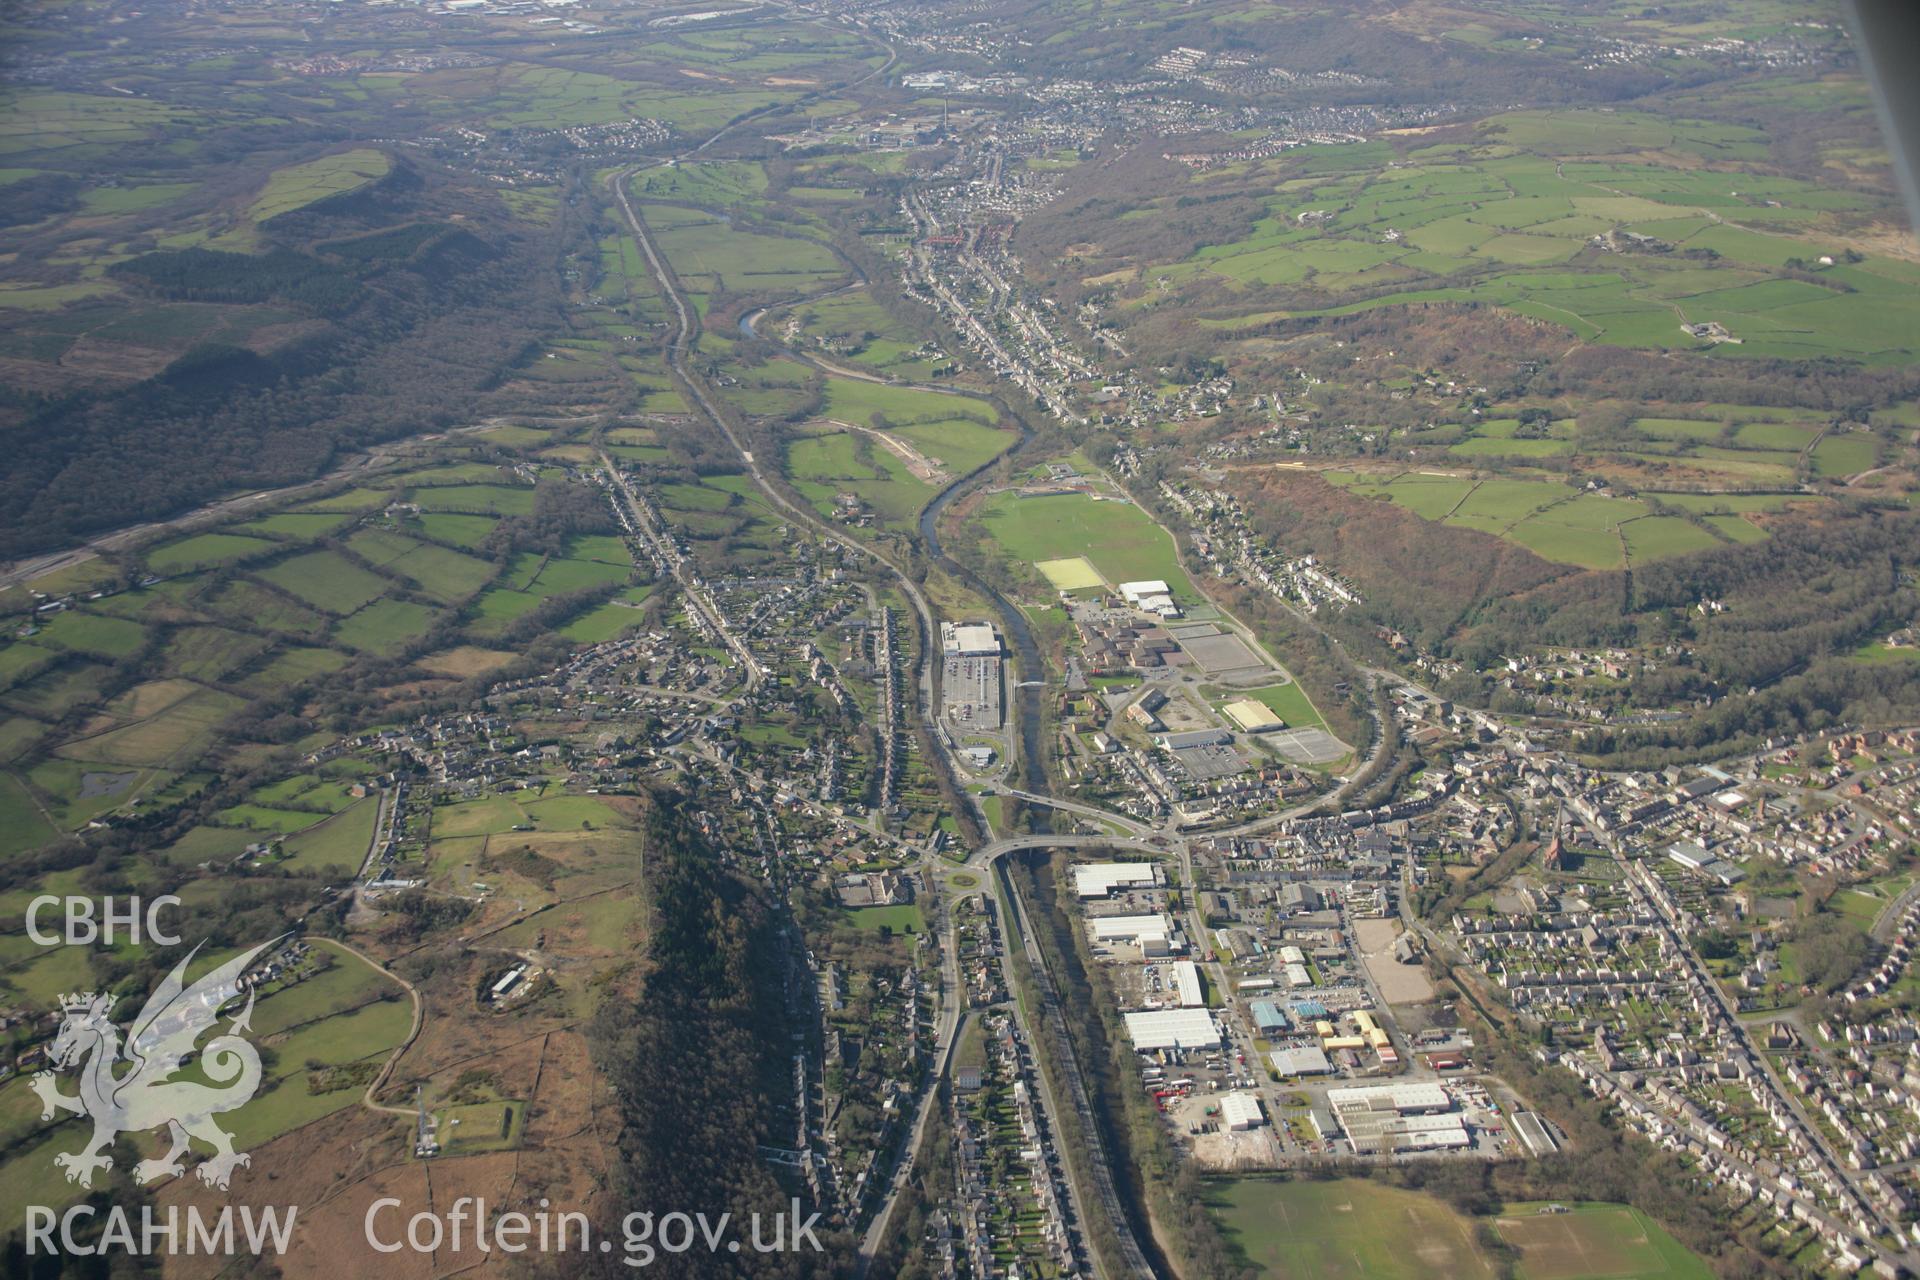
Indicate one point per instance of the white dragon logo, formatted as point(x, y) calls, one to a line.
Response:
point(159, 1042)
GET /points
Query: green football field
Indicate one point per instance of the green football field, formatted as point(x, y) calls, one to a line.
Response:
point(1119, 539)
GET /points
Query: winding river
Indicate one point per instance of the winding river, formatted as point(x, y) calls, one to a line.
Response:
point(1026, 704)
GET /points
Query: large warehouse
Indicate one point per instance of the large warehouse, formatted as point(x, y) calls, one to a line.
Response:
point(1254, 717)
point(1100, 879)
point(1150, 595)
point(1402, 1117)
point(1304, 1060)
point(1186, 983)
point(1173, 1029)
point(1268, 1016)
point(1402, 1099)
point(969, 640)
point(1152, 933)
point(1530, 1131)
point(1242, 1111)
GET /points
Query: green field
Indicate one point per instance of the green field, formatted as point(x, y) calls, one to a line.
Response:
point(340, 841)
point(851, 400)
point(21, 825)
point(92, 633)
point(1560, 523)
point(900, 919)
point(823, 466)
point(21, 660)
point(299, 185)
point(443, 574)
point(859, 331)
point(293, 665)
point(1075, 573)
point(461, 531)
point(1596, 1242)
point(606, 621)
point(474, 1127)
point(326, 580)
point(1843, 455)
point(203, 549)
point(498, 815)
point(298, 526)
point(960, 444)
point(54, 693)
point(1348, 1228)
point(1511, 220)
point(477, 499)
point(710, 255)
point(1115, 536)
point(1288, 701)
point(558, 577)
point(386, 626)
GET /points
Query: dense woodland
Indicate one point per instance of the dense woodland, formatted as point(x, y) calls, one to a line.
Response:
point(700, 1060)
point(409, 326)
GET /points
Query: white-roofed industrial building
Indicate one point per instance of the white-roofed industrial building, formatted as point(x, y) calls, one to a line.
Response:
point(969, 639)
point(1173, 1029)
point(1151, 595)
point(1186, 983)
point(1196, 738)
point(1404, 1098)
point(1253, 716)
point(1100, 879)
point(1153, 934)
point(1242, 1111)
point(1534, 1134)
point(1382, 1119)
point(1306, 1060)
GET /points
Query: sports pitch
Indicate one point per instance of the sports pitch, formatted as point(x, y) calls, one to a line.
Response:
point(1118, 539)
point(1591, 1241)
point(1348, 1228)
point(1075, 573)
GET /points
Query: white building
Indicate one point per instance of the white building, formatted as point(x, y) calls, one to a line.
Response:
point(1306, 1060)
point(1381, 1119)
point(1242, 1111)
point(1253, 716)
point(1100, 879)
point(1689, 855)
point(1173, 1029)
point(1153, 934)
point(1402, 1099)
point(969, 640)
point(1150, 595)
point(1186, 983)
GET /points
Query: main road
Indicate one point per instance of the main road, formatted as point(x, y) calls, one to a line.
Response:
point(697, 394)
